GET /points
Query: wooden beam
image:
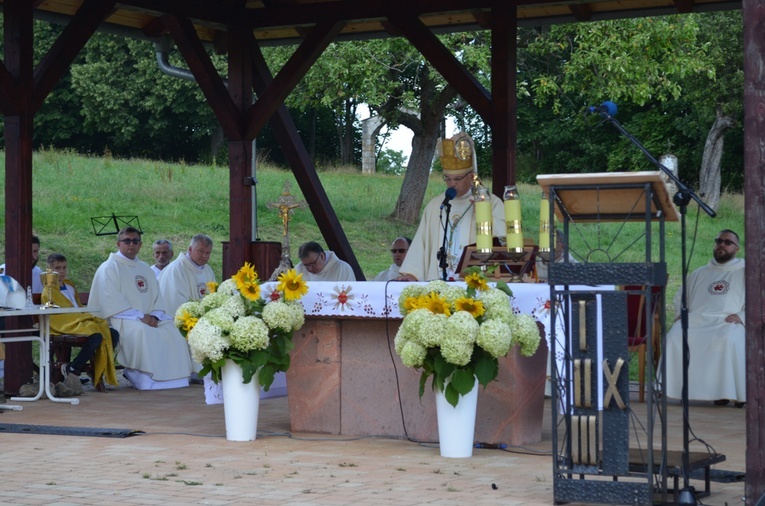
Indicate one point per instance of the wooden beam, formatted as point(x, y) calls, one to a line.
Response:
point(8, 90)
point(305, 172)
point(581, 12)
point(240, 43)
point(213, 87)
point(290, 75)
point(754, 226)
point(66, 47)
point(445, 62)
point(18, 129)
point(504, 130)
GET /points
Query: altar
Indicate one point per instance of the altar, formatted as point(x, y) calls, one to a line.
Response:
point(345, 377)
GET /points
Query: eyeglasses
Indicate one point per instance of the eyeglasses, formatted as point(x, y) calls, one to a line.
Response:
point(450, 179)
point(130, 241)
point(312, 264)
point(399, 250)
point(726, 242)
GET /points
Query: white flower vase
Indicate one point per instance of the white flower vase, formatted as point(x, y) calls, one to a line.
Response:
point(456, 425)
point(240, 403)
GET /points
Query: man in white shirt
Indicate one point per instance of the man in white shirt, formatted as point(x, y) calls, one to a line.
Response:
point(319, 265)
point(125, 291)
point(398, 251)
point(163, 253)
point(716, 329)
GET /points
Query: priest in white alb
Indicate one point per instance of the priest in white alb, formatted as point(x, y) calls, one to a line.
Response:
point(124, 290)
point(316, 264)
point(188, 278)
point(421, 262)
point(716, 329)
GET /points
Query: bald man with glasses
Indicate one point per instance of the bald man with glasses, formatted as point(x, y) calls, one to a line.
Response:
point(716, 329)
point(398, 251)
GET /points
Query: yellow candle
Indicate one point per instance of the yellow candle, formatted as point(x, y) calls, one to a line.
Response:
point(483, 242)
point(514, 242)
point(544, 224)
point(483, 211)
point(512, 210)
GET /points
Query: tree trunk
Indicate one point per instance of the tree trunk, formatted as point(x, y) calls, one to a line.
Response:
point(416, 178)
point(709, 174)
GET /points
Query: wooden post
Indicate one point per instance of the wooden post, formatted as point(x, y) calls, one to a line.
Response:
point(754, 225)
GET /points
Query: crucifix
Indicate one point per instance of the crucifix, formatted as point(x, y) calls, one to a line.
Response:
point(286, 205)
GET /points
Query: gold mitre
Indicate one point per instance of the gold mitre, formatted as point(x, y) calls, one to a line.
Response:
point(457, 154)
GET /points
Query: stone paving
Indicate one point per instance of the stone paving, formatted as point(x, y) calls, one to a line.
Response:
point(183, 458)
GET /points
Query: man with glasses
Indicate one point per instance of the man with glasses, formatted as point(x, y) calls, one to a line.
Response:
point(459, 166)
point(125, 291)
point(319, 265)
point(716, 332)
point(398, 251)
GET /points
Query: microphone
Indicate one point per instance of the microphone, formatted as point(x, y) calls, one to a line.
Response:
point(606, 107)
point(449, 194)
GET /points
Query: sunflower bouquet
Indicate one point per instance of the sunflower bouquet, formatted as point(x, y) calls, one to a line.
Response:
point(233, 322)
point(458, 334)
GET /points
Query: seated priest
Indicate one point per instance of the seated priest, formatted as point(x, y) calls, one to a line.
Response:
point(125, 290)
point(319, 265)
point(398, 251)
point(716, 329)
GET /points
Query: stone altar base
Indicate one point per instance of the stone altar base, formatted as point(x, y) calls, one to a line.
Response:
point(345, 378)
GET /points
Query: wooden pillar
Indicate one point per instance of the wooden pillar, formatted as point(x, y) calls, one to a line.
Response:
point(17, 25)
point(754, 225)
point(240, 152)
point(504, 105)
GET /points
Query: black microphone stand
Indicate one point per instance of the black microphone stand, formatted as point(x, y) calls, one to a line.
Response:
point(442, 256)
point(681, 199)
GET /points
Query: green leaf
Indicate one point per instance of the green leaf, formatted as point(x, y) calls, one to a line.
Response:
point(486, 369)
point(463, 381)
point(451, 394)
point(501, 285)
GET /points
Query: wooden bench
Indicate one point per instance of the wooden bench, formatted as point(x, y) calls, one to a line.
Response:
point(696, 460)
point(61, 345)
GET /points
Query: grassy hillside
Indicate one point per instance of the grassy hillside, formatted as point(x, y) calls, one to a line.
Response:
point(176, 201)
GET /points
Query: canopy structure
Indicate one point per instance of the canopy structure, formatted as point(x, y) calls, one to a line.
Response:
point(240, 28)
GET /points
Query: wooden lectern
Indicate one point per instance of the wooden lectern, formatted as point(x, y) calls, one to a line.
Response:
point(509, 267)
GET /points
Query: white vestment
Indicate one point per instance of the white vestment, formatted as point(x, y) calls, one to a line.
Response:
point(717, 368)
point(157, 270)
point(391, 272)
point(421, 260)
point(334, 270)
point(126, 286)
point(183, 280)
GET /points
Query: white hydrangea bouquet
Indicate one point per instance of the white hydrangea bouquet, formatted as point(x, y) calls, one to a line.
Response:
point(457, 334)
point(232, 322)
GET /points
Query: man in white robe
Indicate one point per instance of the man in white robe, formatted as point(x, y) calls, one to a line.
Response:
point(398, 251)
point(421, 262)
point(319, 265)
point(163, 254)
point(716, 329)
point(186, 278)
point(125, 291)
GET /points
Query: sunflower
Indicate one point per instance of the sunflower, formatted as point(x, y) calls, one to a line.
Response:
point(250, 291)
point(471, 305)
point(437, 304)
point(188, 321)
point(245, 276)
point(477, 281)
point(292, 284)
point(211, 287)
point(412, 303)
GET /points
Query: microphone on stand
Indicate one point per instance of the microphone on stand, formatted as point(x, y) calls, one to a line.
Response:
point(449, 194)
point(606, 107)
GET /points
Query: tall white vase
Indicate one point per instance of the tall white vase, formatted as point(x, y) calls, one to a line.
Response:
point(456, 425)
point(240, 403)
